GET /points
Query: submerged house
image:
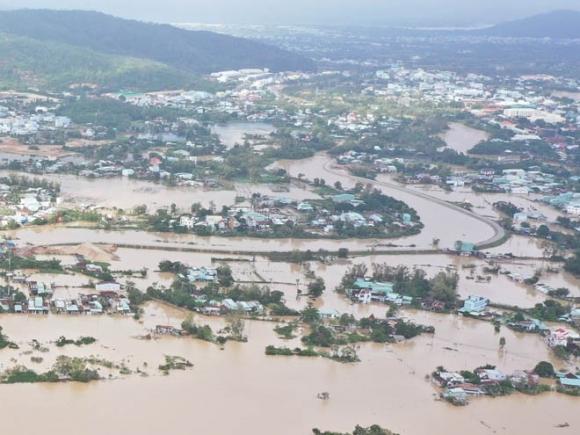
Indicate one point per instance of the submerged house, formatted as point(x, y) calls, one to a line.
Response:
point(474, 305)
point(464, 248)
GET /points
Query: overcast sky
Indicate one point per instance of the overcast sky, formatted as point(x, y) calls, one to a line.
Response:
point(356, 12)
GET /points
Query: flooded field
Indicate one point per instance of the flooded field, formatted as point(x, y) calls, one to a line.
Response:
point(233, 133)
point(462, 138)
point(130, 193)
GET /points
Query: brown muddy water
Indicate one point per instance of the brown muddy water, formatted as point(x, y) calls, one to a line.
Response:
point(240, 390)
point(233, 133)
point(440, 219)
point(462, 138)
point(130, 193)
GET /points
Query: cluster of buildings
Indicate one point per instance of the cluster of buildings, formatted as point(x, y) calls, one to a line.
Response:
point(17, 125)
point(568, 202)
point(322, 217)
point(25, 205)
point(457, 389)
point(517, 181)
point(41, 300)
point(27, 114)
point(225, 306)
point(365, 291)
point(501, 100)
point(202, 274)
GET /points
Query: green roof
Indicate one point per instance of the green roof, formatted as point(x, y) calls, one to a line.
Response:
point(378, 287)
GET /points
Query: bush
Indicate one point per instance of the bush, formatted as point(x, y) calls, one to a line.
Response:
point(544, 369)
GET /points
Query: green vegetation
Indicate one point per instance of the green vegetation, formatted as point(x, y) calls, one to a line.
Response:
point(495, 147)
point(574, 392)
point(549, 311)
point(183, 293)
point(347, 330)
point(188, 51)
point(22, 375)
point(82, 341)
point(285, 351)
point(44, 64)
point(544, 369)
point(316, 287)
point(286, 331)
point(172, 267)
point(224, 276)
point(65, 369)
point(408, 282)
point(110, 113)
point(5, 342)
point(358, 430)
point(573, 264)
point(201, 332)
point(174, 363)
point(44, 266)
point(234, 331)
point(346, 354)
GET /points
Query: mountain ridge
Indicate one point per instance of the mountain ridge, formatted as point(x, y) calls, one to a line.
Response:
point(559, 24)
point(197, 52)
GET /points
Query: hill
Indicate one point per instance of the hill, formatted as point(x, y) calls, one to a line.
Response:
point(557, 25)
point(26, 62)
point(191, 51)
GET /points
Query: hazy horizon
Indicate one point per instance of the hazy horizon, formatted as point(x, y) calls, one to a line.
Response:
point(318, 12)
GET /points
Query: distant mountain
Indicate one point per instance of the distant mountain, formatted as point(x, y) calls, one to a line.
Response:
point(190, 51)
point(557, 25)
point(26, 62)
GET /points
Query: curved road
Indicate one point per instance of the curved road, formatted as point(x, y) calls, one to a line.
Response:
point(453, 223)
point(499, 232)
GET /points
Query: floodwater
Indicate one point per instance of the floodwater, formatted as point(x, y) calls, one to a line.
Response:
point(130, 193)
point(233, 133)
point(441, 220)
point(238, 389)
point(288, 277)
point(483, 202)
point(462, 138)
point(267, 395)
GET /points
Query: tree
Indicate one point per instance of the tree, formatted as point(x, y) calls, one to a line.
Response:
point(444, 287)
point(224, 275)
point(235, 327)
point(140, 209)
point(544, 369)
point(543, 232)
point(316, 287)
point(573, 264)
point(310, 315)
point(338, 185)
